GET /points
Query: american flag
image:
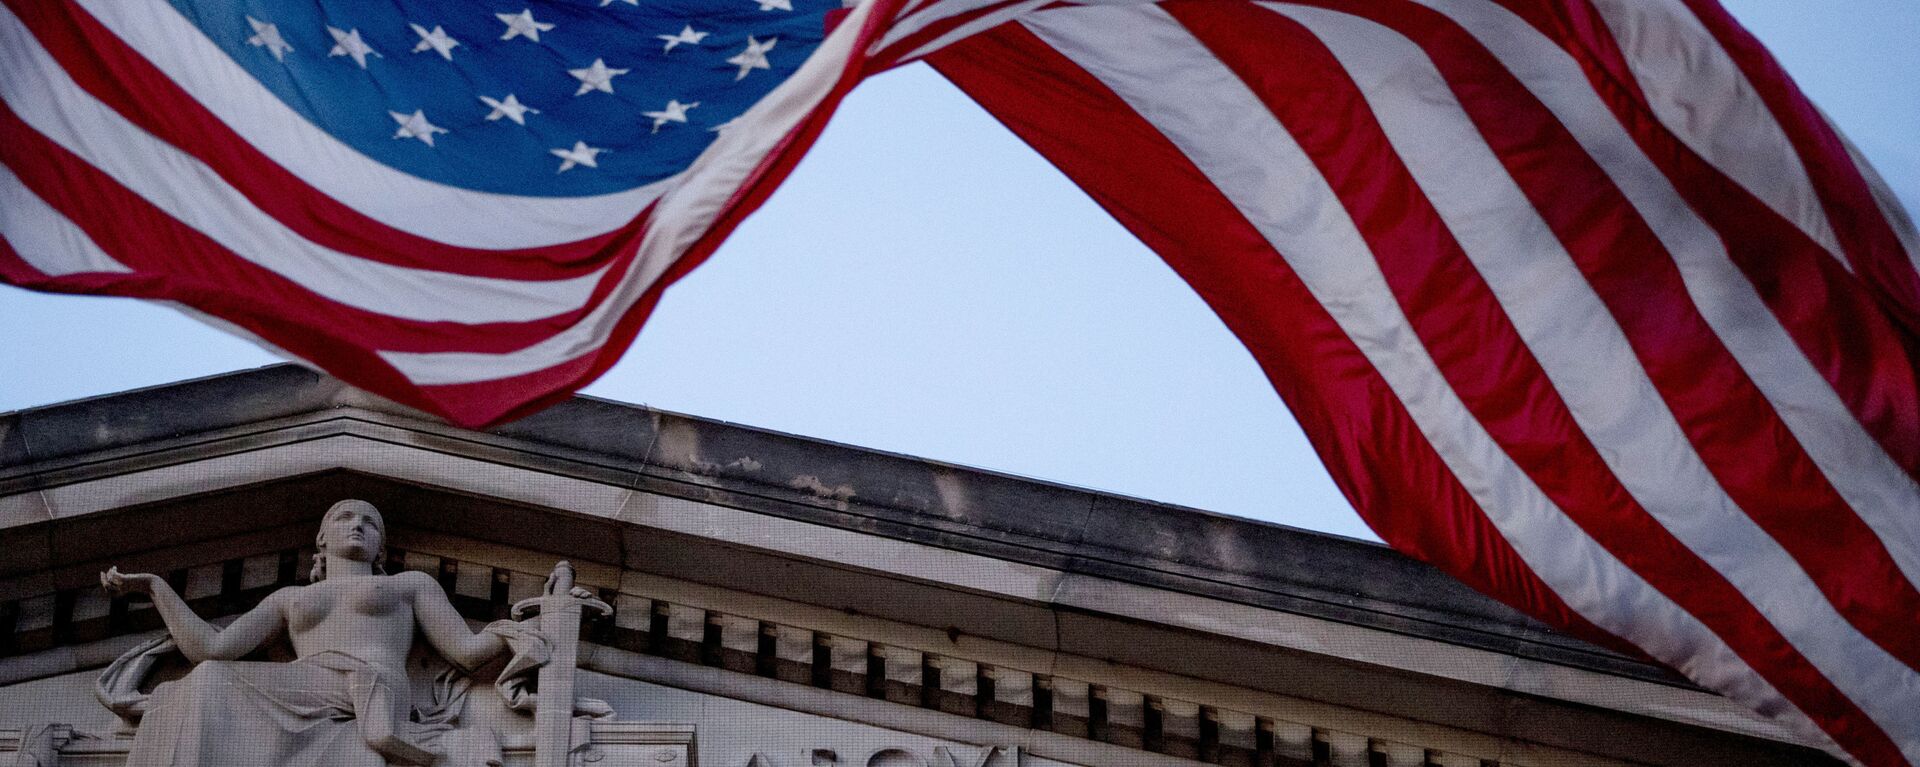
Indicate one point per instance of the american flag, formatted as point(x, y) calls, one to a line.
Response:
point(1581, 300)
point(468, 207)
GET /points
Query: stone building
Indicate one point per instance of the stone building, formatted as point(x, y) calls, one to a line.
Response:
point(785, 602)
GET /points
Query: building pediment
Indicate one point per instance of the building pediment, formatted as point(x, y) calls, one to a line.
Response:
point(867, 601)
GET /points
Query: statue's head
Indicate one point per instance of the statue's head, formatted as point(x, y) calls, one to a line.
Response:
point(351, 529)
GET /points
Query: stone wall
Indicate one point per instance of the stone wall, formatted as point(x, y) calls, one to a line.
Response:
point(982, 690)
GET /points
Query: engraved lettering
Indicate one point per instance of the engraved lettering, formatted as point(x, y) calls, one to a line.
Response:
point(894, 757)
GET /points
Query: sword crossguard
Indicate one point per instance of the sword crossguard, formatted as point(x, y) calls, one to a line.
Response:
point(559, 593)
point(589, 607)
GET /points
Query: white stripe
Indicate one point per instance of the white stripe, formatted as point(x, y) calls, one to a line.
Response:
point(1889, 203)
point(1171, 79)
point(49, 101)
point(1700, 94)
point(910, 8)
point(1586, 355)
point(914, 21)
point(45, 239)
point(242, 333)
point(680, 219)
point(1865, 476)
point(411, 204)
point(982, 24)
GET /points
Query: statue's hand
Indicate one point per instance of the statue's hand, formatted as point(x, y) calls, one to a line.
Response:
point(120, 584)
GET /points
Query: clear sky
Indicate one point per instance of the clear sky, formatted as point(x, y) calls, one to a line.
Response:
point(925, 284)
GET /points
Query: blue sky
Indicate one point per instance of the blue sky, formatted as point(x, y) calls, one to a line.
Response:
point(925, 284)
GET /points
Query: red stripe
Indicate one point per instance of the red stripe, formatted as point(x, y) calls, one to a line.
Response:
point(1760, 464)
point(1871, 365)
point(471, 405)
point(1347, 410)
point(1867, 238)
point(119, 76)
point(1578, 29)
point(369, 371)
point(147, 239)
point(1462, 324)
point(15, 270)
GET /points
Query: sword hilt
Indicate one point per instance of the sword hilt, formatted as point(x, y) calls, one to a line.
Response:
point(559, 595)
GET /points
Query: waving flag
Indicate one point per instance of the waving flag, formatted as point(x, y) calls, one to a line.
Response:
point(468, 207)
point(1581, 300)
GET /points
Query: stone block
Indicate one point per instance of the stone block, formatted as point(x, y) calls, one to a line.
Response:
point(686, 633)
point(202, 581)
point(848, 672)
point(792, 653)
point(90, 604)
point(1293, 741)
point(1070, 706)
point(739, 642)
point(1012, 700)
point(904, 673)
point(1179, 727)
point(633, 613)
point(414, 560)
point(1235, 737)
point(473, 579)
point(1126, 719)
point(959, 680)
point(1345, 749)
point(1237, 729)
point(260, 571)
point(1400, 754)
point(35, 612)
point(522, 586)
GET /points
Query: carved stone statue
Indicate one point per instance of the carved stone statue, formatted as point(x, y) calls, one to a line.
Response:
point(346, 700)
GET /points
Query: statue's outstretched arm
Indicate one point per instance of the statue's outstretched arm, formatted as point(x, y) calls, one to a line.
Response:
point(198, 639)
point(445, 629)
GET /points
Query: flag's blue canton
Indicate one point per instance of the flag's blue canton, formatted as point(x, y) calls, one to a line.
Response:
point(289, 47)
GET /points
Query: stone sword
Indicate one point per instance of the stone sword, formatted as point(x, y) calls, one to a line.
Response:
point(560, 614)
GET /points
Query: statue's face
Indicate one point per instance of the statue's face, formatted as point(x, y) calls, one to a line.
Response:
point(353, 530)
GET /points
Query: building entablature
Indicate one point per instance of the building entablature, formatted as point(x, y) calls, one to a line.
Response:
point(893, 603)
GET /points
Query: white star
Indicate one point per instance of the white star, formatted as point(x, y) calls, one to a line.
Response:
point(768, 5)
point(754, 57)
point(686, 35)
point(522, 25)
point(580, 154)
point(350, 44)
point(416, 126)
point(437, 41)
point(673, 112)
point(510, 108)
point(598, 77)
point(268, 36)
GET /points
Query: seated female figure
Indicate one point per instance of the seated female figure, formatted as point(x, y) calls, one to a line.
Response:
point(345, 701)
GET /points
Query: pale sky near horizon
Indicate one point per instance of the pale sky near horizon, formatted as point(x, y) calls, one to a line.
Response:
point(925, 284)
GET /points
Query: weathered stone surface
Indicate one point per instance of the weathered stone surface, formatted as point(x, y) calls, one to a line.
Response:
point(13, 440)
point(856, 489)
point(172, 410)
point(604, 432)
